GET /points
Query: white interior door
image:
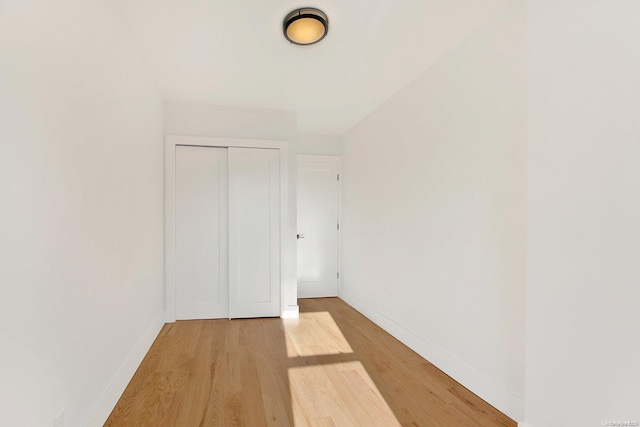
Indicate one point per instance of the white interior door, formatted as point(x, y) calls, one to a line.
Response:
point(254, 232)
point(202, 290)
point(318, 204)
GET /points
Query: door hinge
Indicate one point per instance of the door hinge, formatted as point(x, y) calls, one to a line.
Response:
point(338, 226)
point(338, 177)
point(338, 274)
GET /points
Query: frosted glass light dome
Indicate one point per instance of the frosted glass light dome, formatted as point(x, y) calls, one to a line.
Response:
point(306, 26)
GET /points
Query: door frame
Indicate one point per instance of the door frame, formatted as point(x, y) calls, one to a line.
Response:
point(171, 141)
point(338, 161)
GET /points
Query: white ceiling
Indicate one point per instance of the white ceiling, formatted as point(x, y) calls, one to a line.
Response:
point(232, 52)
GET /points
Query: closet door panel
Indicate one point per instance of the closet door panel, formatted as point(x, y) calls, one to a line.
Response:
point(201, 233)
point(254, 232)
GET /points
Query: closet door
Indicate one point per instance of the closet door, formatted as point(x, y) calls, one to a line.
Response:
point(202, 287)
point(254, 232)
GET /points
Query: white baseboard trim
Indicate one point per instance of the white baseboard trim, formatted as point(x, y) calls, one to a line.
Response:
point(290, 312)
point(479, 383)
point(102, 409)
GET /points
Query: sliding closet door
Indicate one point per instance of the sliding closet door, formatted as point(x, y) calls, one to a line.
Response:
point(202, 290)
point(254, 232)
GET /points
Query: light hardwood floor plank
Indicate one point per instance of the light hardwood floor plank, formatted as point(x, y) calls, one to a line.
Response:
point(331, 367)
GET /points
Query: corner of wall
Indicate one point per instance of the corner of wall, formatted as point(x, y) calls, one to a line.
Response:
point(102, 409)
point(510, 403)
point(291, 312)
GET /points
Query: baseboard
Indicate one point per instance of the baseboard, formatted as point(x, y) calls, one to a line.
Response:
point(479, 383)
point(291, 312)
point(318, 289)
point(109, 398)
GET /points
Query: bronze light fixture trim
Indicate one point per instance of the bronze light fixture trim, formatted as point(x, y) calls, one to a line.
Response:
point(305, 26)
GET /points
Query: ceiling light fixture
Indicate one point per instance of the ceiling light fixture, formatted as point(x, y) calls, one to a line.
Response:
point(305, 26)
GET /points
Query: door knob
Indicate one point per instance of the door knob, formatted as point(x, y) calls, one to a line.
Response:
point(299, 236)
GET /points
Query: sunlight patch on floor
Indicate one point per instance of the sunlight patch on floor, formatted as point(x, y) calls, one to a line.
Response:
point(314, 334)
point(337, 394)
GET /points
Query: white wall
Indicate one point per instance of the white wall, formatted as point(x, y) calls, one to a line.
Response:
point(192, 118)
point(327, 145)
point(434, 213)
point(583, 316)
point(81, 212)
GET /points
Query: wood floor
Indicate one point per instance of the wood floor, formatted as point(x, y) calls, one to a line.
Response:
point(331, 367)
